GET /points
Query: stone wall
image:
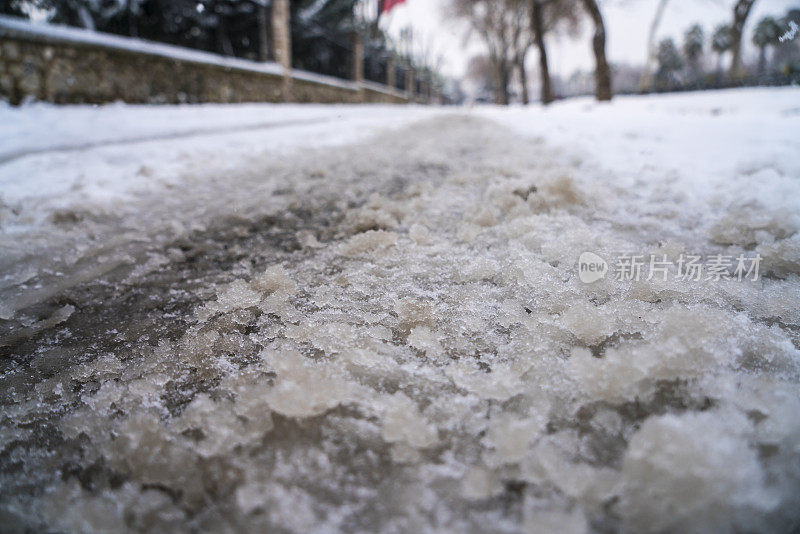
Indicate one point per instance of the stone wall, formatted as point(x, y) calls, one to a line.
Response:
point(66, 65)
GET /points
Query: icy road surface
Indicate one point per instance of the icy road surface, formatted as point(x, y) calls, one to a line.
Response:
point(224, 329)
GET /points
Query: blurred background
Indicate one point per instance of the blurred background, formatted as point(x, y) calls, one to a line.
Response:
point(463, 51)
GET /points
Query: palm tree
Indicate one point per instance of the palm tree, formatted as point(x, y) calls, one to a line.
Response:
point(721, 42)
point(765, 34)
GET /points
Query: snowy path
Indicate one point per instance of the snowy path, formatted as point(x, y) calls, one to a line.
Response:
point(391, 335)
point(183, 134)
point(81, 181)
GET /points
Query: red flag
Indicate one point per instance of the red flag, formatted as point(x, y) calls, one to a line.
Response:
point(389, 4)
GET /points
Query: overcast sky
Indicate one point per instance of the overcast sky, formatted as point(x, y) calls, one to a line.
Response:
point(627, 22)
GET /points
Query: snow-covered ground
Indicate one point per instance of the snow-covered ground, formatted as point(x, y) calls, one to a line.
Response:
point(124, 171)
point(65, 156)
point(713, 148)
point(352, 319)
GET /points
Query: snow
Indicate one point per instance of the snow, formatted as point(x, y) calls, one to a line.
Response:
point(101, 158)
point(700, 142)
point(728, 157)
point(371, 319)
point(246, 128)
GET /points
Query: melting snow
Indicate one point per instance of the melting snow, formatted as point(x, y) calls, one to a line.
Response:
point(392, 336)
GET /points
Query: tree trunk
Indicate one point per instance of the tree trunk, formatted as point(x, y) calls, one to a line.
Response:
point(379, 5)
point(391, 73)
point(503, 79)
point(740, 13)
point(133, 26)
point(357, 65)
point(602, 70)
point(644, 81)
point(762, 59)
point(224, 46)
point(263, 33)
point(281, 15)
point(410, 84)
point(537, 23)
point(523, 79)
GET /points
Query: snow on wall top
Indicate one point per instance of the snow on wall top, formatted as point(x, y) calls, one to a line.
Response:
point(380, 88)
point(19, 28)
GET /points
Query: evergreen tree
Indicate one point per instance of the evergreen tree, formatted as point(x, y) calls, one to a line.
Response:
point(670, 63)
point(693, 44)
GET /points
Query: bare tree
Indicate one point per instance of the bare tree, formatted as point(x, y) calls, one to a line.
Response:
point(644, 81)
point(740, 13)
point(519, 63)
point(502, 24)
point(521, 41)
point(602, 71)
point(481, 74)
point(537, 27)
point(546, 15)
